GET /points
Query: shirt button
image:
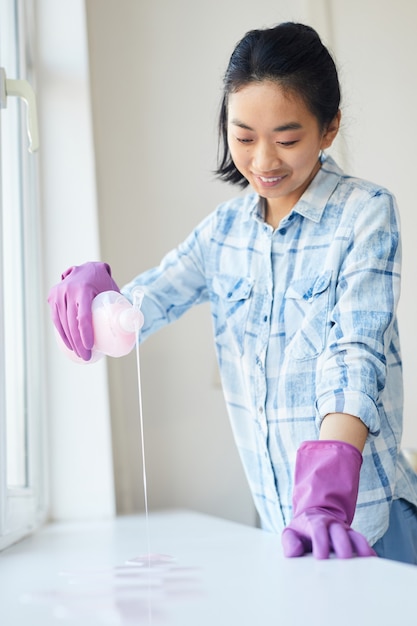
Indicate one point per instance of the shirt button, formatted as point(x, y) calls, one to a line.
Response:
point(261, 409)
point(283, 231)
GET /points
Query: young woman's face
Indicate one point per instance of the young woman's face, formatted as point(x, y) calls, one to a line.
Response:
point(275, 142)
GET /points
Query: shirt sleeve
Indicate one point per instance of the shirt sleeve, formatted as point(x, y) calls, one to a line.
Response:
point(175, 285)
point(353, 366)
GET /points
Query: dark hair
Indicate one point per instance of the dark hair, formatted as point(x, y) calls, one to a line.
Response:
point(291, 55)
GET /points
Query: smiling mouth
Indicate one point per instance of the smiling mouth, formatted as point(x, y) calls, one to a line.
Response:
point(273, 179)
point(269, 180)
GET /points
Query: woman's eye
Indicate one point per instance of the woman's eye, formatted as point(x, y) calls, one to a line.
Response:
point(286, 143)
point(243, 140)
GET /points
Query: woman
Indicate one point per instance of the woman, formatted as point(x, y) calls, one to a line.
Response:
point(303, 277)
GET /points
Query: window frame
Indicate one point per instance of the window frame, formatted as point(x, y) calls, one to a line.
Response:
point(23, 508)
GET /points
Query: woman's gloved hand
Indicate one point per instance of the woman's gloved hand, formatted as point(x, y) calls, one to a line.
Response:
point(70, 302)
point(324, 501)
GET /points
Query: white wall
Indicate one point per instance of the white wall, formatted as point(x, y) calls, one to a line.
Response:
point(80, 459)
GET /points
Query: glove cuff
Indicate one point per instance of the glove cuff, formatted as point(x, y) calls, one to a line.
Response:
point(330, 445)
point(327, 476)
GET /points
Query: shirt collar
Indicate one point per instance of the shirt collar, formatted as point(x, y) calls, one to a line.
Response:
point(315, 198)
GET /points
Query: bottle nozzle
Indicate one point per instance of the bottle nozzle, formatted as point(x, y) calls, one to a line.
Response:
point(131, 319)
point(137, 297)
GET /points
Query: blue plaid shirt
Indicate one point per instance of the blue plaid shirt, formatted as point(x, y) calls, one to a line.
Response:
point(304, 321)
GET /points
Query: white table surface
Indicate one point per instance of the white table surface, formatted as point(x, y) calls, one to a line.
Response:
point(215, 573)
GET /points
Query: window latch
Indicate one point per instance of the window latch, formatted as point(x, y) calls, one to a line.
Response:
point(21, 89)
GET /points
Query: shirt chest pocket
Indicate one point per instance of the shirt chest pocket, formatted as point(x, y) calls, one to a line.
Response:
point(306, 313)
point(231, 301)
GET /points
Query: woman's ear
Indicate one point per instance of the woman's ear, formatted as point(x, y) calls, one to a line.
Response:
point(330, 133)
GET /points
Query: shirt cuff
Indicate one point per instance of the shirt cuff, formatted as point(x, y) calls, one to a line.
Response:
point(354, 403)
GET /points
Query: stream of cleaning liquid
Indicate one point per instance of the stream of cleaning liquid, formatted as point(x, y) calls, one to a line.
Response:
point(150, 559)
point(137, 303)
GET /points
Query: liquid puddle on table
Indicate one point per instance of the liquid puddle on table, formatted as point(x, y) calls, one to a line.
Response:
point(140, 591)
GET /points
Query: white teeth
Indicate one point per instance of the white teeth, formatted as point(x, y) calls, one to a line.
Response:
point(270, 180)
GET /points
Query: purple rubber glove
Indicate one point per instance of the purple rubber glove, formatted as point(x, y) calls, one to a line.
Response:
point(71, 300)
point(324, 501)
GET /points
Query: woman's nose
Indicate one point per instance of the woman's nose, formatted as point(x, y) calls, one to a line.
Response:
point(265, 157)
